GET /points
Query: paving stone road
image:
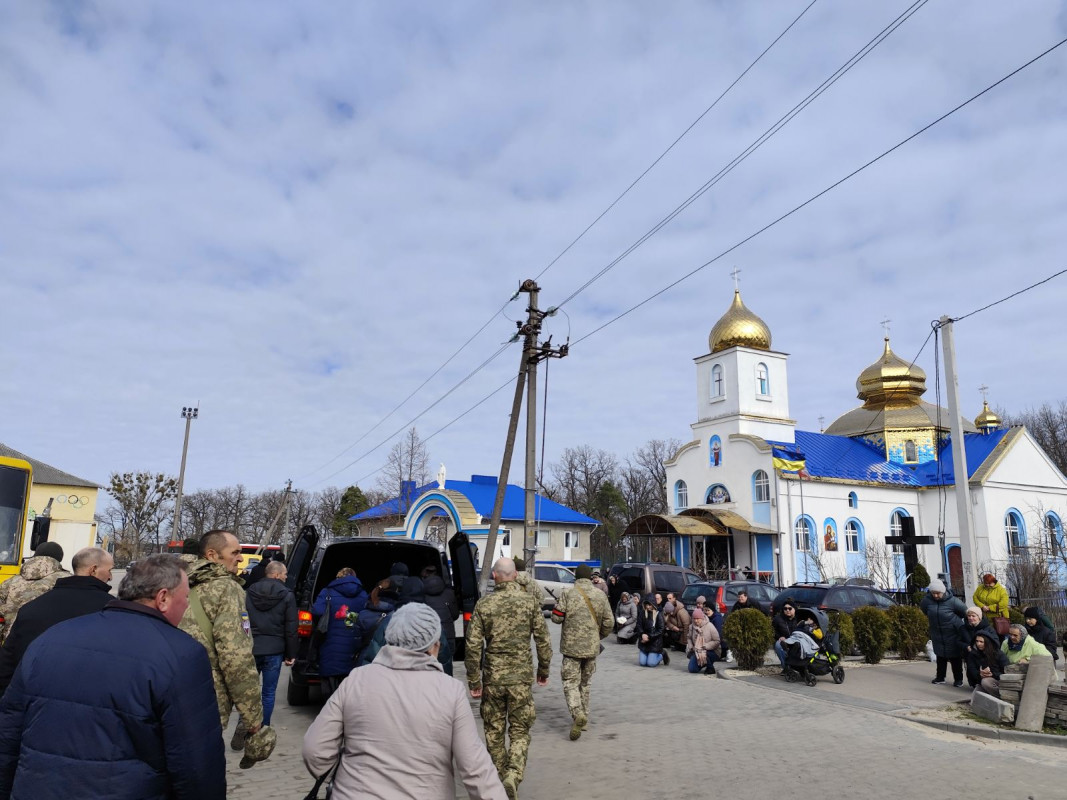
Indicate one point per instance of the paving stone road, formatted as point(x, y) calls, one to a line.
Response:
point(664, 732)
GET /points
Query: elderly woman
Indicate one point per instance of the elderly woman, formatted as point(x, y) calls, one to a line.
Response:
point(1020, 647)
point(703, 644)
point(973, 624)
point(945, 614)
point(991, 597)
point(398, 724)
point(676, 623)
point(626, 617)
point(650, 634)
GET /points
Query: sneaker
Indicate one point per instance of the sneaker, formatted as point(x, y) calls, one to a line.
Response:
point(957, 684)
point(938, 680)
point(511, 786)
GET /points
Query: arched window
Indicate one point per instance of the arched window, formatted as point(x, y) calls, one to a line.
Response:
point(761, 487)
point(716, 381)
point(1054, 532)
point(852, 536)
point(681, 496)
point(763, 381)
point(853, 500)
point(1014, 530)
point(910, 454)
point(896, 528)
point(802, 535)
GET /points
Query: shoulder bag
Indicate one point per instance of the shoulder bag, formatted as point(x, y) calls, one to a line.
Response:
point(596, 620)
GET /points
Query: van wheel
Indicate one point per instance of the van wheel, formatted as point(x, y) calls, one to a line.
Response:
point(297, 695)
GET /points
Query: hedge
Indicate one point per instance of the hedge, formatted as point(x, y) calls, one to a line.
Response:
point(750, 635)
point(909, 630)
point(873, 632)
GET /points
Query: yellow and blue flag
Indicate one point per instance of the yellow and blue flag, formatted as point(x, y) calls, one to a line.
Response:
point(788, 460)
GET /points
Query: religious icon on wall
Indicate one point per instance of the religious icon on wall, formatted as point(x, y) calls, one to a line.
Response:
point(829, 539)
point(715, 451)
point(718, 494)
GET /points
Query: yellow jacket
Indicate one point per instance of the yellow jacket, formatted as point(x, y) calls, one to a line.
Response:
point(994, 597)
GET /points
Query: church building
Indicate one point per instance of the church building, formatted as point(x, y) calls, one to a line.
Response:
point(887, 459)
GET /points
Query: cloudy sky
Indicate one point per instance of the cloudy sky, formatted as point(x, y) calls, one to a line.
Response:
point(293, 214)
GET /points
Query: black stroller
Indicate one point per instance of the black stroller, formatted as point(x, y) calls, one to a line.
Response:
point(813, 652)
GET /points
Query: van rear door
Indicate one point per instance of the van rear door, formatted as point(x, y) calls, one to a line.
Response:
point(464, 583)
point(301, 554)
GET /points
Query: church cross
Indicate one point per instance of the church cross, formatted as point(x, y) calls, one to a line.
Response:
point(885, 324)
point(737, 282)
point(985, 392)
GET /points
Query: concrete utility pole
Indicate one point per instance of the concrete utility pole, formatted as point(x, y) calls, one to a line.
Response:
point(288, 494)
point(189, 413)
point(968, 549)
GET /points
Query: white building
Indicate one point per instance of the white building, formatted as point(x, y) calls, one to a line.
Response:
point(887, 459)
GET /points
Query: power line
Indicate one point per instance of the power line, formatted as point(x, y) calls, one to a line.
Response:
point(1013, 294)
point(828, 189)
point(762, 139)
point(578, 238)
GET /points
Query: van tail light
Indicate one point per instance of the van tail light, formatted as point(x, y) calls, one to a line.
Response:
point(824, 607)
point(467, 616)
point(303, 623)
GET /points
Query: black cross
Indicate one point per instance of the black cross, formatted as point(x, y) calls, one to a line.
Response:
point(908, 540)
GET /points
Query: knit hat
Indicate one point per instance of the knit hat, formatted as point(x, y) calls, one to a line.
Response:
point(415, 626)
point(399, 568)
point(701, 599)
point(698, 613)
point(520, 564)
point(668, 608)
point(1033, 612)
point(975, 610)
point(583, 571)
point(49, 549)
point(937, 585)
point(259, 746)
point(413, 590)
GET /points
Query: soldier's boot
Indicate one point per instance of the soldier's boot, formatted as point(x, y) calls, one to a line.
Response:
point(239, 735)
point(511, 785)
point(580, 723)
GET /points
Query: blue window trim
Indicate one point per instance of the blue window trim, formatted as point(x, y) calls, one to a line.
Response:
point(1020, 521)
point(853, 500)
point(1057, 527)
point(755, 475)
point(813, 545)
point(765, 390)
point(862, 536)
point(680, 484)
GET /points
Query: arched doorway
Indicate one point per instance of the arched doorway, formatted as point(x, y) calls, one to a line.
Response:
point(955, 568)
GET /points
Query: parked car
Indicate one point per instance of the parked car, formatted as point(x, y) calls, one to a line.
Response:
point(723, 594)
point(554, 578)
point(832, 597)
point(647, 577)
point(312, 565)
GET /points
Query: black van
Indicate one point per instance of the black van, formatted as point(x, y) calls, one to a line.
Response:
point(313, 565)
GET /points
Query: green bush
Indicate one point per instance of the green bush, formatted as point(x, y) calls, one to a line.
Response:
point(841, 622)
point(872, 632)
point(1016, 616)
point(909, 630)
point(920, 579)
point(750, 635)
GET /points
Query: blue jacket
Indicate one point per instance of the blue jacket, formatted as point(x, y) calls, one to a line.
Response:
point(343, 639)
point(113, 705)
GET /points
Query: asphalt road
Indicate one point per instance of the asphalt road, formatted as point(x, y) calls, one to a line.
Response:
point(664, 732)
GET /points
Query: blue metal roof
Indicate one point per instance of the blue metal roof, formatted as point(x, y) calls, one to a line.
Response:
point(843, 458)
point(481, 491)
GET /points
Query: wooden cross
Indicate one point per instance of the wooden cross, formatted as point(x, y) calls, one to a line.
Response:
point(908, 541)
point(737, 283)
point(885, 325)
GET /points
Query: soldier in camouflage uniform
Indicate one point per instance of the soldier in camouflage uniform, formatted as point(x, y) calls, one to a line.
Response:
point(38, 574)
point(586, 617)
point(505, 620)
point(527, 581)
point(224, 632)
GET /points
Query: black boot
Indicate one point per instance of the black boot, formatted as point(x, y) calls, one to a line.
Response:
point(666, 658)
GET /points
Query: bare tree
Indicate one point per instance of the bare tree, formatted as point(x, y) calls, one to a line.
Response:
point(141, 502)
point(882, 566)
point(579, 475)
point(1048, 426)
point(644, 479)
point(408, 461)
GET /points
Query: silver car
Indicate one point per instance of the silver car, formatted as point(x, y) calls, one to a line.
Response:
point(553, 579)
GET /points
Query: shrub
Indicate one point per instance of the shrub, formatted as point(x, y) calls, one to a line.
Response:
point(841, 622)
point(920, 579)
point(1016, 616)
point(750, 635)
point(909, 630)
point(872, 632)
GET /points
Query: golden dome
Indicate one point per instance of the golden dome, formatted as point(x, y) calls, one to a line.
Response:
point(739, 327)
point(891, 380)
point(987, 419)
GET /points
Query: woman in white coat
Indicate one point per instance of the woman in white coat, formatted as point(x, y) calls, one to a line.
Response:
point(398, 723)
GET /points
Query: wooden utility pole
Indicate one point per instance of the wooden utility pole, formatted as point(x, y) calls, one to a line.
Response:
point(968, 549)
point(189, 413)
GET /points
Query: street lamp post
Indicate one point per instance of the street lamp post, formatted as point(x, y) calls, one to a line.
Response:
point(189, 413)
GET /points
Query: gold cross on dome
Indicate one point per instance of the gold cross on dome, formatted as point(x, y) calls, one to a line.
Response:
point(885, 324)
point(737, 282)
point(985, 392)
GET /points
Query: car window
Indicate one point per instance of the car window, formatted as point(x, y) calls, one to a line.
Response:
point(881, 600)
point(810, 596)
point(695, 590)
point(666, 580)
point(690, 578)
point(633, 578)
point(731, 595)
point(545, 573)
point(564, 575)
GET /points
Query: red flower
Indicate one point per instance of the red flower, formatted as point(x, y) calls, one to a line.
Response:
point(342, 612)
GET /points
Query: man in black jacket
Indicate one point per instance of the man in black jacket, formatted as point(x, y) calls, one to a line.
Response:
point(272, 615)
point(784, 622)
point(85, 592)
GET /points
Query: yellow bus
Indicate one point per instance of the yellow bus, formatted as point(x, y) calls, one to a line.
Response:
point(16, 477)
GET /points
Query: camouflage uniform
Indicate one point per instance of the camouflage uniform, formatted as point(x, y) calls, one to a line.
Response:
point(530, 585)
point(37, 576)
point(230, 648)
point(505, 620)
point(580, 643)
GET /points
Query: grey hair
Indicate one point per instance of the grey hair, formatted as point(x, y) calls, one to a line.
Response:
point(274, 568)
point(1015, 626)
point(88, 557)
point(145, 578)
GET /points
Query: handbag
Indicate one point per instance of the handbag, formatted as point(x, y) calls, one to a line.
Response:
point(327, 779)
point(324, 621)
point(1001, 625)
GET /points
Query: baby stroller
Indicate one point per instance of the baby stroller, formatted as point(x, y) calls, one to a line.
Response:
point(810, 651)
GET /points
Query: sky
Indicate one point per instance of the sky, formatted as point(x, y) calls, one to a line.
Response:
point(292, 215)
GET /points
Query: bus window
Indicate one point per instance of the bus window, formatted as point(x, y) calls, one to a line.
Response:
point(15, 479)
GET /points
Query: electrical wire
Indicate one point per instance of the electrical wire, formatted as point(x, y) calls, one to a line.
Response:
point(825, 191)
point(1013, 294)
point(762, 139)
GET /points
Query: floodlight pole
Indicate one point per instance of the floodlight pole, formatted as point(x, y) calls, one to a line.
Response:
point(189, 413)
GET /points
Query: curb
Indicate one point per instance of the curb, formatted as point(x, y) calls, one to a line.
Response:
point(1003, 734)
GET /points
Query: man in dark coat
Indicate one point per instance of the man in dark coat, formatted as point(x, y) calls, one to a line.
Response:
point(84, 592)
point(272, 616)
point(441, 599)
point(259, 571)
point(784, 623)
point(117, 704)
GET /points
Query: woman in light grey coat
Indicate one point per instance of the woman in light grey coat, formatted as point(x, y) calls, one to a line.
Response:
point(398, 724)
point(626, 616)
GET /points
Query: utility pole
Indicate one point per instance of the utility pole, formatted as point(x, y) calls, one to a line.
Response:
point(288, 494)
point(533, 328)
point(968, 549)
point(189, 413)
